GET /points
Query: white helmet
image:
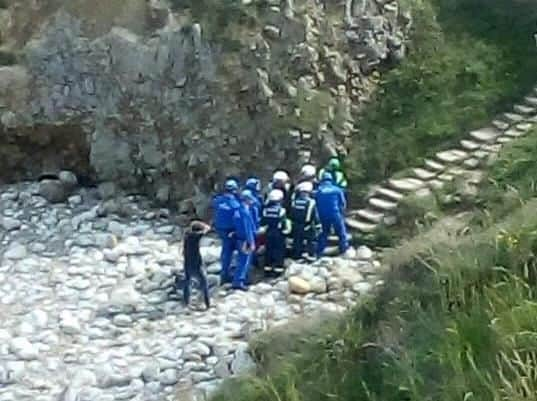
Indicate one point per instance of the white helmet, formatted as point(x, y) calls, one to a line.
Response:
point(308, 170)
point(305, 186)
point(275, 195)
point(280, 176)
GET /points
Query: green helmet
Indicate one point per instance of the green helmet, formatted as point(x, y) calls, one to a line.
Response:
point(334, 164)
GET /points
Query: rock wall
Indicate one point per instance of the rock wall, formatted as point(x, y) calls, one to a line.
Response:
point(172, 109)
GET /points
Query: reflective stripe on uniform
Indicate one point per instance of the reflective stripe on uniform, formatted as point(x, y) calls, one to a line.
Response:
point(311, 209)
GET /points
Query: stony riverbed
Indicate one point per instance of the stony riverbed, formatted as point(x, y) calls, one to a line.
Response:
point(86, 312)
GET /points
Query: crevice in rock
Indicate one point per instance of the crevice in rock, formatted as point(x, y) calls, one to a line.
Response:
point(32, 153)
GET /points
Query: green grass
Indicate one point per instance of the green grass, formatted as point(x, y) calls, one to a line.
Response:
point(456, 321)
point(468, 60)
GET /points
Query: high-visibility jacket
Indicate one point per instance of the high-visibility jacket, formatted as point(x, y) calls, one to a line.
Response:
point(338, 177)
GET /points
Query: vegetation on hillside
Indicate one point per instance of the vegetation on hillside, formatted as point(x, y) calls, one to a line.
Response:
point(456, 320)
point(468, 60)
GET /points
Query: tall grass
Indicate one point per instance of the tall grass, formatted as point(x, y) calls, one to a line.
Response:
point(455, 322)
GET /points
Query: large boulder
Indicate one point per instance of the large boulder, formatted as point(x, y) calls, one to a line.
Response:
point(53, 190)
point(298, 285)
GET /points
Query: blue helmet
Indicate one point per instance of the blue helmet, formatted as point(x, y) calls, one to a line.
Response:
point(248, 195)
point(253, 183)
point(327, 176)
point(231, 185)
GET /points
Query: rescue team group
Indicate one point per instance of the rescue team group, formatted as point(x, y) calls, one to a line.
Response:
point(245, 218)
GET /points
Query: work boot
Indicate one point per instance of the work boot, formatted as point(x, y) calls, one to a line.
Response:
point(279, 270)
point(269, 270)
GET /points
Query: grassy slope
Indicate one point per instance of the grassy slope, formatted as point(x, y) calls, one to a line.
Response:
point(468, 60)
point(456, 321)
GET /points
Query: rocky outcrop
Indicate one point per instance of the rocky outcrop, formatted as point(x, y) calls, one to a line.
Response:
point(171, 110)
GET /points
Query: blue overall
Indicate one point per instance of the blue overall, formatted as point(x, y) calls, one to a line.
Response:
point(244, 235)
point(331, 206)
point(305, 218)
point(274, 219)
point(225, 206)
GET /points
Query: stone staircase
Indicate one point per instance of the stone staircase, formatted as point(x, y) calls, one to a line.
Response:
point(462, 161)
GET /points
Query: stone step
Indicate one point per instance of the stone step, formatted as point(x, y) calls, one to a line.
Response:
point(406, 184)
point(481, 154)
point(521, 109)
point(471, 163)
point(514, 133)
point(436, 184)
point(501, 125)
point(513, 117)
point(492, 148)
point(446, 177)
point(485, 134)
point(422, 193)
point(423, 174)
point(382, 204)
point(531, 100)
point(452, 156)
point(370, 215)
point(456, 171)
point(390, 194)
point(358, 225)
point(470, 145)
point(504, 139)
point(525, 127)
point(433, 165)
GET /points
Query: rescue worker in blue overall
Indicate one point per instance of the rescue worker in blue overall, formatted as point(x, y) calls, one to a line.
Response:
point(304, 219)
point(225, 206)
point(253, 184)
point(244, 236)
point(331, 206)
point(277, 226)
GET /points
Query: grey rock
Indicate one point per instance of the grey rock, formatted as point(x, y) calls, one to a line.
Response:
point(168, 377)
point(53, 190)
point(242, 362)
point(10, 224)
point(151, 372)
point(23, 349)
point(68, 179)
point(122, 320)
point(16, 251)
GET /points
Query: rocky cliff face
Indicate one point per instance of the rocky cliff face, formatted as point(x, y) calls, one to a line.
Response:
point(167, 102)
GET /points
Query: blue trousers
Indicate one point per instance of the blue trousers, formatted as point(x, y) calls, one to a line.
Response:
point(275, 253)
point(228, 246)
point(244, 261)
point(197, 272)
point(338, 223)
point(301, 235)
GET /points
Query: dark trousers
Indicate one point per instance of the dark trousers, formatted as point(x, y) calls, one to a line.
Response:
point(275, 253)
point(194, 270)
point(301, 235)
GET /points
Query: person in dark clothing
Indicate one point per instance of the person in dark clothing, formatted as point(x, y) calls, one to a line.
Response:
point(193, 262)
point(305, 220)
